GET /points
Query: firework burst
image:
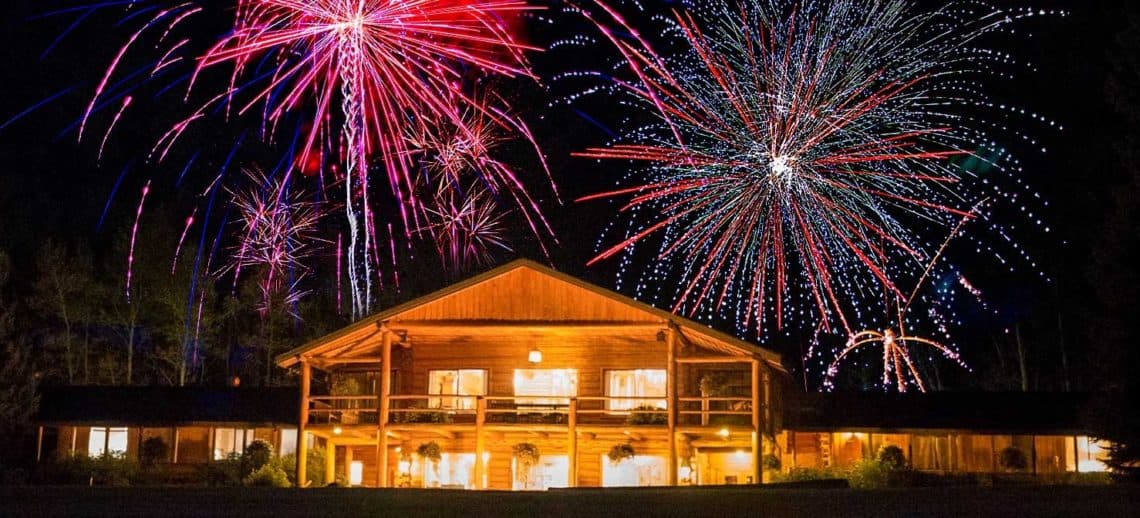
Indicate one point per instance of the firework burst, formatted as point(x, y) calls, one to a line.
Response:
point(798, 157)
point(277, 230)
point(340, 84)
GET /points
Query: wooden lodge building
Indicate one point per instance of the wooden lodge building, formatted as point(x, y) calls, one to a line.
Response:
point(455, 388)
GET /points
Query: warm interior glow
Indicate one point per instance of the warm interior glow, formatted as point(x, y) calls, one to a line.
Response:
point(534, 356)
point(356, 473)
point(558, 385)
point(639, 383)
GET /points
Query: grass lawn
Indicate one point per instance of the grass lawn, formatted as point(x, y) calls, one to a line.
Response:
point(957, 502)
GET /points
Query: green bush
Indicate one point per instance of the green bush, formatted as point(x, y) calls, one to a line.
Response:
point(225, 472)
point(257, 454)
point(806, 474)
point(109, 469)
point(770, 462)
point(869, 474)
point(421, 416)
point(314, 467)
point(1013, 459)
point(153, 451)
point(892, 457)
point(646, 415)
point(268, 475)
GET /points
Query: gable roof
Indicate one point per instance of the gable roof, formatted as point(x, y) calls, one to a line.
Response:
point(523, 291)
point(101, 405)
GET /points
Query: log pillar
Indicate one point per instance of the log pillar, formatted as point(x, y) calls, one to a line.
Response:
point(382, 418)
point(671, 397)
point(757, 425)
point(302, 424)
point(572, 444)
point(330, 461)
point(480, 443)
point(40, 443)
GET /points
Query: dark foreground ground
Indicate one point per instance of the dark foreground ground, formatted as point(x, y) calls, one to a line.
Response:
point(958, 502)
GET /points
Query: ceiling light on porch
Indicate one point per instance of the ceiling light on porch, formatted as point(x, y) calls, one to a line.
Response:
point(337, 430)
point(723, 432)
point(534, 355)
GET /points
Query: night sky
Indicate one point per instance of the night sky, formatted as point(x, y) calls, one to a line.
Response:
point(53, 188)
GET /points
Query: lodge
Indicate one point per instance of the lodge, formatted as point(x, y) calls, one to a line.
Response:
point(527, 378)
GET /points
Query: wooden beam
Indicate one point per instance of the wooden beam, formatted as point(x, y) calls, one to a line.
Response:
point(572, 444)
point(480, 442)
point(385, 397)
point(302, 423)
point(757, 429)
point(671, 404)
point(330, 461)
point(714, 359)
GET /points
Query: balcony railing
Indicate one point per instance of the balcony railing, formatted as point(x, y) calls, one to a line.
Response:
point(547, 410)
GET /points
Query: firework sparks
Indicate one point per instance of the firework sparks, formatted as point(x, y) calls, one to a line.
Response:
point(393, 64)
point(277, 231)
point(813, 146)
point(347, 80)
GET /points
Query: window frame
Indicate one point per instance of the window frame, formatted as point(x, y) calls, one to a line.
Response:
point(545, 400)
point(661, 403)
point(435, 401)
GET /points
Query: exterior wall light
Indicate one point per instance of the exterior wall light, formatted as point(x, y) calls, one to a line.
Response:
point(534, 355)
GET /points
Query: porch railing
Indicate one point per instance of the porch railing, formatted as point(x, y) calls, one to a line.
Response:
point(549, 410)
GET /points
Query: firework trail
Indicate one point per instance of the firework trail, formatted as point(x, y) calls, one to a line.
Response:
point(798, 158)
point(337, 81)
point(278, 229)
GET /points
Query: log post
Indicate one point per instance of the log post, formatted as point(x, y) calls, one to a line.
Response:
point(757, 427)
point(330, 461)
point(572, 444)
point(382, 420)
point(480, 442)
point(302, 423)
point(671, 395)
point(40, 443)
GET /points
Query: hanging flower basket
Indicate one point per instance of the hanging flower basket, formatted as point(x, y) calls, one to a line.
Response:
point(620, 452)
point(526, 453)
point(430, 451)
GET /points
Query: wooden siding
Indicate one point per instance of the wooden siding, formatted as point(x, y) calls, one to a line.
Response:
point(592, 356)
point(524, 294)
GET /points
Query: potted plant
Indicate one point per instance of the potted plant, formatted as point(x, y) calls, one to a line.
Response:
point(430, 452)
point(646, 414)
point(526, 457)
point(621, 452)
point(346, 385)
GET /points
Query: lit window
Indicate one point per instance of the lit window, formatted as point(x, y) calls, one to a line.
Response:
point(102, 440)
point(462, 382)
point(1091, 455)
point(551, 471)
point(640, 383)
point(562, 383)
point(231, 441)
point(641, 470)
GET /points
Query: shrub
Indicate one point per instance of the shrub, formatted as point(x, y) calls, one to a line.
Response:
point(153, 451)
point(268, 475)
point(770, 462)
point(314, 467)
point(225, 472)
point(257, 454)
point(806, 474)
point(421, 416)
point(620, 452)
point(869, 474)
point(646, 414)
point(892, 457)
point(1013, 459)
